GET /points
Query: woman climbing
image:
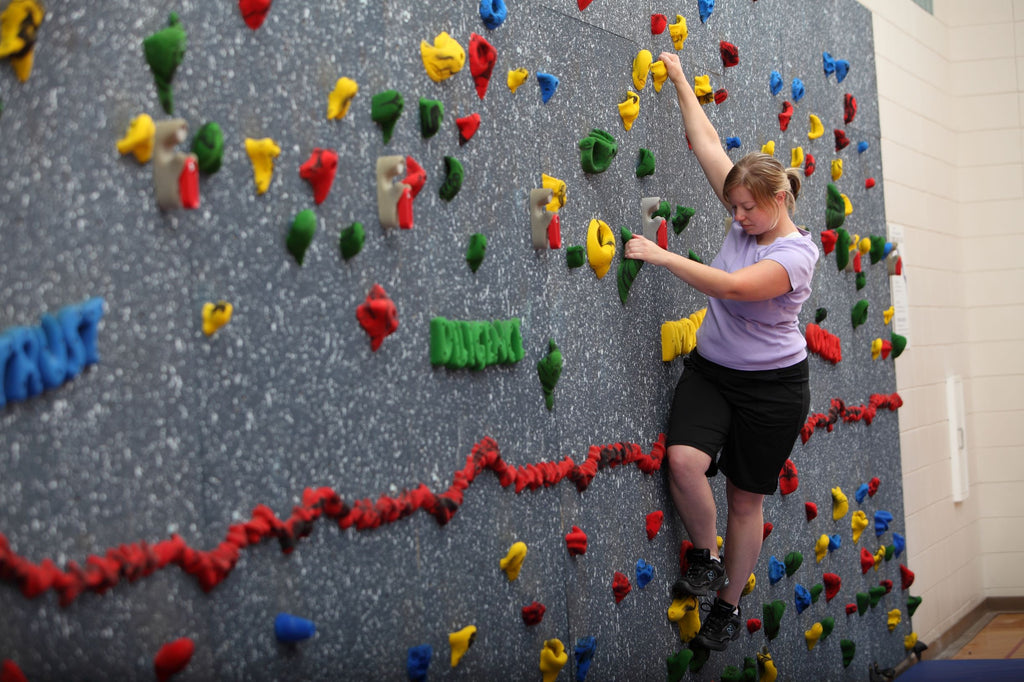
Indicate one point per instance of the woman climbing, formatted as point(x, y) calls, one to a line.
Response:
point(743, 394)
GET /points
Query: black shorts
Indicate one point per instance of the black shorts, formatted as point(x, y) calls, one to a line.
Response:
point(751, 417)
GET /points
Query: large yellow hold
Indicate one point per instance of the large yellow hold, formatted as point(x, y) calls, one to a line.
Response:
point(600, 247)
point(516, 77)
point(858, 522)
point(18, 25)
point(262, 154)
point(659, 74)
point(558, 192)
point(444, 58)
point(553, 658)
point(460, 642)
point(629, 109)
point(513, 561)
point(894, 619)
point(813, 635)
point(685, 613)
point(840, 504)
point(678, 32)
point(340, 99)
point(817, 129)
point(138, 139)
point(821, 548)
point(767, 672)
point(679, 337)
point(641, 68)
point(702, 88)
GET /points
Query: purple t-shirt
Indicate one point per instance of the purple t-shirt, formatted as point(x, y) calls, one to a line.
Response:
point(756, 335)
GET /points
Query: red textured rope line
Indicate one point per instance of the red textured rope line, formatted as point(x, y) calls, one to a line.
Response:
point(839, 410)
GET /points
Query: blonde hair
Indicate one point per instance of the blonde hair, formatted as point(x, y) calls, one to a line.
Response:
point(764, 177)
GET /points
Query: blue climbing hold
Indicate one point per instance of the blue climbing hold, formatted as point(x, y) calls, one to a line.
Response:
point(548, 85)
point(828, 64)
point(861, 493)
point(842, 68)
point(705, 7)
point(417, 662)
point(776, 570)
point(584, 655)
point(732, 143)
point(290, 629)
point(802, 597)
point(899, 544)
point(644, 573)
point(798, 90)
point(834, 542)
point(493, 13)
point(862, 146)
point(882, 521)
point(775, 82)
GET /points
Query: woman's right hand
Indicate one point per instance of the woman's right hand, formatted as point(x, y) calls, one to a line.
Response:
point(673, 67)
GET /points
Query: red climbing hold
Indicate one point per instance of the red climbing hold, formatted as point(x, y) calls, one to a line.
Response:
point(188, 183)
point(766, 530)
point(662, 235)
point(254, 12)
point(534, 613)
point(173, 657)
point(415, 177)
point(841, 140)
point(849, 108)
point(319, 171)
point(555, 232)
point(829, 347)
point(467, 127)
point(906, 577)
point(828, 240)
point(684, 547)
point(482, 57)
point(810, 510)
point(10, 672)
point(869, 183)
point(873, 486)
point(867, 560)
point(851, 609)
point(788, 478)
point(658, 24)
point(730, 55)
point(620, 586)
point(583, 4)
point(576, 541)
point(887, 584)
point(753, 625)
point(809, 165)
point(785, 116)
point(377, 315)
point(653, 523)
point(721, 95)
point(832, 584)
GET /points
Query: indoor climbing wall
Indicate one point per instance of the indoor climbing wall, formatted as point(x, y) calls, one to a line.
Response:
point(320, 359)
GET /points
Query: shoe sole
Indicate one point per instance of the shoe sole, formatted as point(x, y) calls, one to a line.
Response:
point(715, 645)
point(682, 589)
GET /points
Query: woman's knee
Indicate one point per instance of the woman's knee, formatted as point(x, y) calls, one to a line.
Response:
point(686, 460)
point(743, 503)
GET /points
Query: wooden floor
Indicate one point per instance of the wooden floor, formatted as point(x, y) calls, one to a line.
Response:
point(1002, 637)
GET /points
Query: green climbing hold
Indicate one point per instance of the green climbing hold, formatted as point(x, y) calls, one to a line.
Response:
point(682, 218)
point(164, 52)
point(458, 344)
point(772, 617)
point(700, 657)
point(899, 344)
point(849, 649)
point(861, 280)
point(597, 151)
point(431, 113)
point(351, 240)
point(628, 268)
point(750, 673)
point(208, 146)
point(793, 562)
point(677, 664)
point(575, 256)
point(300, 236)
point(877, 252)
point(875, 595)
point(819, 315)
point(453, 173)
point(912, 604)
point(890, 551)
point(859, 314)
point(731, 674)
point(816, 591)
point(645, 166)
point(835, 208)
point(842, 249)
point(549, 368)
point(863, 601)
point(827, 625)
point(664, 210)
point(476, 250)
point(385, 108)
point(694, 257)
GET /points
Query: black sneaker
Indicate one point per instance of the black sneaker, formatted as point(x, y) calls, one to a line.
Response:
point(703, 578)
point(720, 627)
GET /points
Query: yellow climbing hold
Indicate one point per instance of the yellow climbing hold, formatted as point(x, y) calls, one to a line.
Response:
point(876, 349)
point(444, 58)
point(766, 666)
point(864, 245)
point(719, 541)
point(749, 587)
point(768, 148)
point(557, 188)
point(679, 337)
point(629, 109)
point(817, 129)
point(796, 157)
point(894, 619)
point(678, 32)
point(910, 641)
point(848, 207)
point(888, 313)
point(641, 68)
point(516, 77)
point(138, 139)
point(858, 522)
point(659, 74)
point(553, 658)
point(600, 247)
point(18, 25)
point(340, 99)
point(215, 316)
point(837, 169)
point(821, 548)
point(460, 642)
point(685, 613)
point(262, 154)
point(879, 557)
point(813, 635)
point(513, 561)
point(702, 88)
point(840, 505)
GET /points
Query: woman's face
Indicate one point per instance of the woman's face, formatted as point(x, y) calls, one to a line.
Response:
point(754, 219)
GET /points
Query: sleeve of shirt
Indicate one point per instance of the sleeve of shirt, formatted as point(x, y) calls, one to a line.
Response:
point(797, 256)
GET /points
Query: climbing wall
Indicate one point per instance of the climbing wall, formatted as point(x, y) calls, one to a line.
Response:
point(312, 458)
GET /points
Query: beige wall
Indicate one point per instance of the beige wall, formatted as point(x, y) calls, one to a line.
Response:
point(951, 104)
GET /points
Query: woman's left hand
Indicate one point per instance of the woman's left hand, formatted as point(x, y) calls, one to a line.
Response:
point(642, 248)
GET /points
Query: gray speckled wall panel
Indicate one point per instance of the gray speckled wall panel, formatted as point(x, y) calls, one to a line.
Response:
point(174, 432)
